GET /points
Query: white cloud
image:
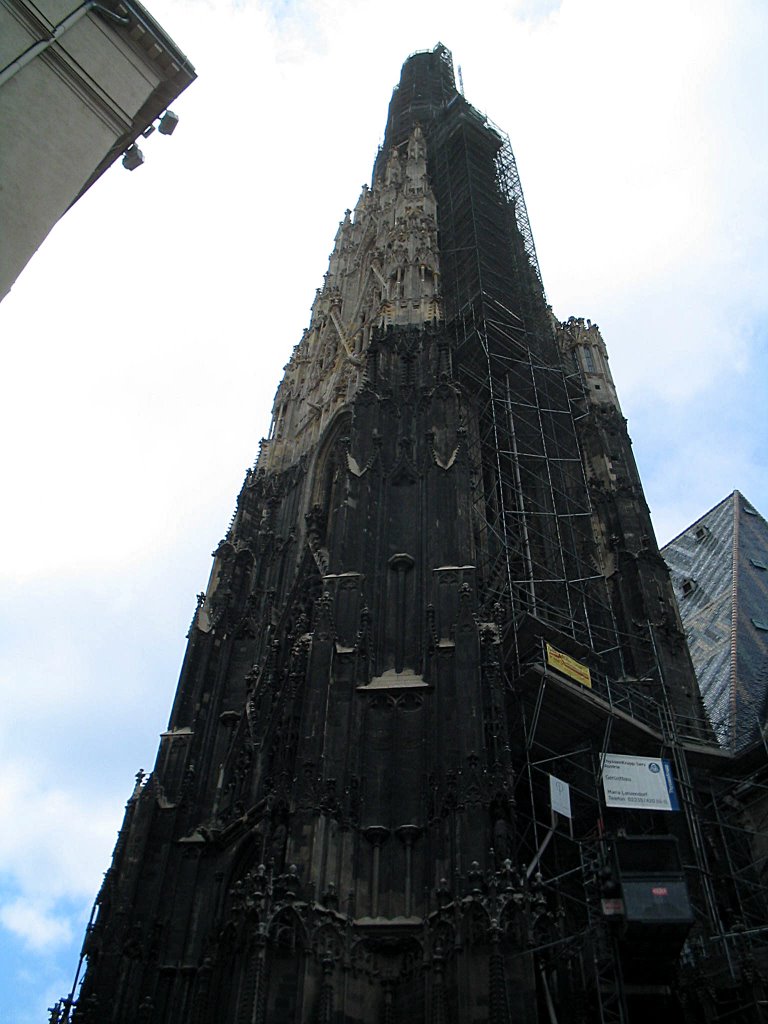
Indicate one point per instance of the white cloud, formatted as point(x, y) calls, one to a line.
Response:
point(36, 926)
point(54, 840)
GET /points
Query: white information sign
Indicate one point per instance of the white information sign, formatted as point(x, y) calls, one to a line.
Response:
point(560, 796)
point(641, 783)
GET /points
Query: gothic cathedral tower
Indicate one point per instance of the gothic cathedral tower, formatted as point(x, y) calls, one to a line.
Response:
point(440, 577)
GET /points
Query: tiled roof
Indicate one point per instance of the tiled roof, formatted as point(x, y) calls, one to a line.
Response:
point(719, 568)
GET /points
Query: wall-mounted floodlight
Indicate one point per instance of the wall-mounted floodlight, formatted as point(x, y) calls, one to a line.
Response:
point(133, 158)
point(168, 123)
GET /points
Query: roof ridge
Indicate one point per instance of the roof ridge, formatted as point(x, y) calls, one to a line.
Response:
point(733, 677)
point(709, 512)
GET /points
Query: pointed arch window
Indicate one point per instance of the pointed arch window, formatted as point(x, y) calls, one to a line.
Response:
point(588, 358)
point(329, 492)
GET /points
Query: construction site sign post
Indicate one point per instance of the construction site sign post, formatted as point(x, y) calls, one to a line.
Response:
point(560, 796)
point(568, 666)
point(639, 783)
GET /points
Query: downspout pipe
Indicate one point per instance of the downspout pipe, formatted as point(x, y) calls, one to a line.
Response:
point(58, 31)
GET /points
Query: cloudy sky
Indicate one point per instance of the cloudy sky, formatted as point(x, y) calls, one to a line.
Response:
point(143, 344)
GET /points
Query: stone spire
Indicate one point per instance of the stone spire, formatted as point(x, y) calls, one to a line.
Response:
point(406, 618)
point(384, 271)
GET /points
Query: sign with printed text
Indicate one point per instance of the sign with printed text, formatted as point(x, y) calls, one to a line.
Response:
point(568, 666)
point(639, 783)
point(560, 796)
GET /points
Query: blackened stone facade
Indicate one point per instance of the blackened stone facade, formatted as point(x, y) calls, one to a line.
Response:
point(349, 817)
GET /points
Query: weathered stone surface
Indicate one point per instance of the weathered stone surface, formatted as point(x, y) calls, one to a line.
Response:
point(349, 815)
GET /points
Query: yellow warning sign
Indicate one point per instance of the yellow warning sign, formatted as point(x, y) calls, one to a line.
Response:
point(568, 666)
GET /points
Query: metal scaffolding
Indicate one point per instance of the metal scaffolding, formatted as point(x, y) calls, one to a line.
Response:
point(534, 519)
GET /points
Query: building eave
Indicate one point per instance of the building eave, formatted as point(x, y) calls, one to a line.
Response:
point(155, 44)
